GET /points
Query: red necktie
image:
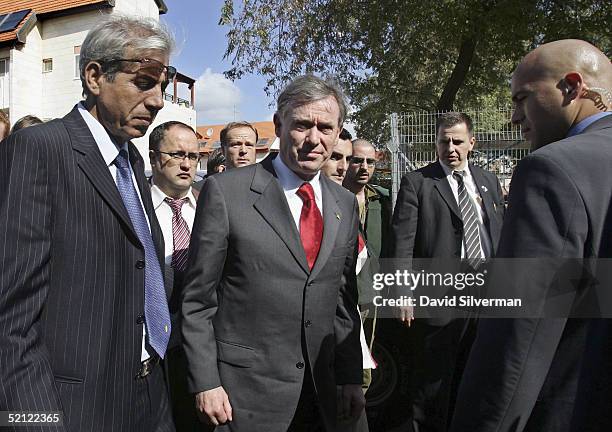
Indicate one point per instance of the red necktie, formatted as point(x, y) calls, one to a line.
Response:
point(311, 224)
point(180, 234)
point(360, 242)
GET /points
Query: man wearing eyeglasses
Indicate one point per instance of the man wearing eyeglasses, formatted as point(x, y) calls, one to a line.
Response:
point(84, 319)
point(374, 217)
point(174, 156)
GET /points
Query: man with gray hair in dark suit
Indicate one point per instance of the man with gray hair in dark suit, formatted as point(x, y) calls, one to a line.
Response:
point(84, 320)
point(270, 322)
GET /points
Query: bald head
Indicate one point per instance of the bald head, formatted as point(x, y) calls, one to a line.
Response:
point(556, 86)
point(555, 59)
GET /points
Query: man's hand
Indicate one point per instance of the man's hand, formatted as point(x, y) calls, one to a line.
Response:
point(213, 406)
point(405, 314)
point(351, 401)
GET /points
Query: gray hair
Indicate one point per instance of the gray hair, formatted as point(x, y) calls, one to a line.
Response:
point(307, 89)
point(110, 39)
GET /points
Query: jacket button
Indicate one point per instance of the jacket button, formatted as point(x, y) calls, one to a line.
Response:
point(308, 323)
point(299, 365)
point(310, 283)
point(140, 319)
point(140, 264)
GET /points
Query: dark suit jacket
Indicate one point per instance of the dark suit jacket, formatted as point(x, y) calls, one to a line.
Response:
point(427, 221)
point(71, 286)
point(525, 374)
point(254, 314)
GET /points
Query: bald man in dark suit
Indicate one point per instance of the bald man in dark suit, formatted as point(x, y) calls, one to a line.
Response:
point(551, 374)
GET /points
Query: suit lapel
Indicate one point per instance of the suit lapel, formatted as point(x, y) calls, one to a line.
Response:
point(482, 188)
point(273, 207)
point(441, 184)
point(331, 222)
point(93, 166)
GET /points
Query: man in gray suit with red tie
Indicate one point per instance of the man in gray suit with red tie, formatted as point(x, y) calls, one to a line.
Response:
point(270, 322)
point(84, 319)
point(552, 373)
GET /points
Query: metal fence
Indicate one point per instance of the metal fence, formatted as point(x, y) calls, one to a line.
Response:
point(499, 144)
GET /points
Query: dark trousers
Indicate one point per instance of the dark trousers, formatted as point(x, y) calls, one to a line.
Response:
point(307, 417)
point(153, 407)
point(182, 402)
point(441, 354)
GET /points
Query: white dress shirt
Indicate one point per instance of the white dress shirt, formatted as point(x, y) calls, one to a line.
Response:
point(470, 186)
point(110, 151)
point(164, 216)
point(290, 183)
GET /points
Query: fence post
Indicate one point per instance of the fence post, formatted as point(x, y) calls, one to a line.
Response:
point(394, 147)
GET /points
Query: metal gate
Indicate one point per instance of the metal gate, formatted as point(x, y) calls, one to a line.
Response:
point(499, 144)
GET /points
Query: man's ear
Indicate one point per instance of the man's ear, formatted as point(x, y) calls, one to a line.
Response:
point(152, 157)
point(277, 124)
point(573, 85)
point(93, 76)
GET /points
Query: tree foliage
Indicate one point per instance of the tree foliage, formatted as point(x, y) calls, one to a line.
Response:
point(394, 55)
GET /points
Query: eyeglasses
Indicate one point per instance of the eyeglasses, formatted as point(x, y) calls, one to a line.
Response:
point(359, 160)
point(181, 155)
point(150, 67)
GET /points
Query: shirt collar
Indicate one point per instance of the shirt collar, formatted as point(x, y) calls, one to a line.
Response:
point(159, 196)
point(290, 182)
point(106, 145)
point(584, 123)
point(449, 172)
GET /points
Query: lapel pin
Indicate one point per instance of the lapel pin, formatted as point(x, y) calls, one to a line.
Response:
point(484, 188)
point(337, 216)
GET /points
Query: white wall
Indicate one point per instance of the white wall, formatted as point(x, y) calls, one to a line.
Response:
point(5, 54)
point(169, 112)
point(26, 80)
point(145, 8)
point(61, 90)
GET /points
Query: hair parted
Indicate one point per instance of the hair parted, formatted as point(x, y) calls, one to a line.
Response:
point(450, 119)
point(233, 125)
point(215, 158)
point(110, 39)
point(307, 89)
point(158, 134)
point(26, 121)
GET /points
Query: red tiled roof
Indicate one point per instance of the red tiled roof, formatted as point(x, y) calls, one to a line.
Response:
point(40, 7)
point(44, 6)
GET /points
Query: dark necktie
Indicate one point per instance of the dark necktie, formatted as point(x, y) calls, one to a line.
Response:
point(157, 316)
point(471, 234)
point(180, 234)
point(311, 224)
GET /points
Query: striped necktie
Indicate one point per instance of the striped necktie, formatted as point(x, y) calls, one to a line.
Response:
point(180, 234)
point(471, 234)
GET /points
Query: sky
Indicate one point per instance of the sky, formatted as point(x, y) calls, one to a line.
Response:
point(201, 44)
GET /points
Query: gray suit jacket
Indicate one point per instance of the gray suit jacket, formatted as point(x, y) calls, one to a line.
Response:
point(254, 314)
point(548, 374)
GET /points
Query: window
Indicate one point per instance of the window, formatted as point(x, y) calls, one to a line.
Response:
point(77, 56)
point(47, 65)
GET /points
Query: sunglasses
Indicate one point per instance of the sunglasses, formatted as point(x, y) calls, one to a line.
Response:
point(359, 160)
point(151, 67)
